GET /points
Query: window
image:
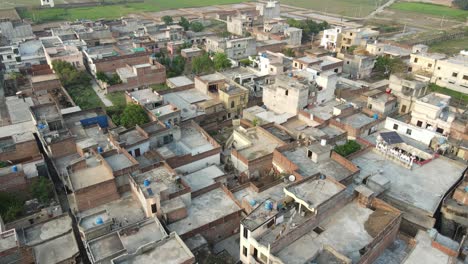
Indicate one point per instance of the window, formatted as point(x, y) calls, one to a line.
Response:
point(347, 62)
point(295, 64)
point(438, 68)
point(244, 251)
point(429, 65)
point(232, 104)
point(454, 74)
point(309, 154)
point(336, 70)
point(408, 131)
point(465, 77)
point(286, 92)
point(440, 130)
point(415, 60)
point(246, 233)
point(395, 126)
point(419, 123)
point(154, 209)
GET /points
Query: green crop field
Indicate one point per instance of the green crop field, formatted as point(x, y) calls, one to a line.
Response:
point(353, 8)
point(113, 11)
point(452, 46)
point(431, 10)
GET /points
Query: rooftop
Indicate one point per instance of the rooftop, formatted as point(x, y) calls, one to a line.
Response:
point(185, 100)
point(424, 252)
point(94, 173)
point(131, 136)
point(180, 81)
point(357, 120)
point(43, 78)
point(248, 194)
point(254, 142)
point(39, 233)
point(215, 77)
point(8, 240)
point(203, 178)
point(171, 250)
point(436, 99)
point(314, 191)
point(118, 161)
point(158, 180)
point(307, 167)
point(20, 131)
point(192, 142)
point(205, 209)
point(18, 109)
point(422, 186)
point(57, 250)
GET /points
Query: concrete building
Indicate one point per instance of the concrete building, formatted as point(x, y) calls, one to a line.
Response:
point(331, 38)
point(277, 29)
point(16, 32)
point(286, 95)
point(47, 3)
point(269, 10)
point(191, 53)
point(357, 66)
point(454, 220)
point(432, 112)
point(381, 102)
point(240, 24)
point(358, 37)
point(424, 63)
point(236, 48)
point(407, 90)
point(271, 63)
point(55, 49)
point(388, 50)
point(452, 73)
point(9, 58)
point(299, 228)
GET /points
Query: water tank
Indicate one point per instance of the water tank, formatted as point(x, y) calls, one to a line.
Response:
point(375, 116)
point(146, 183)
point(264, 55)
point(14, 168)
point(466, 188)
point(99, 221)
point(322, 177)
point(253, 202)
point(290, 74)
point(323, 142)
point(268, 205)
point(99, 150)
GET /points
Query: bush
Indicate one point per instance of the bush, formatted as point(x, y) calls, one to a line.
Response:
point(10, 206)
point(202, 64)
point(245, 62)
point(133, 115)
point(196, 26)
point(68, 74)
point(42, 189)
point(348, 148)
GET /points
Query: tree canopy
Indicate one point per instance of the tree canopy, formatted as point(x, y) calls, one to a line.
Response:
point(167, 20)
point(174, 66)
point(196, 26)
point(386, 65)
point(202, 64)
point(462, 4)
point(68, 74)
point(133, 115)
point(309, 27)
point(42, 189)
point(221, 61)
point(184, 23)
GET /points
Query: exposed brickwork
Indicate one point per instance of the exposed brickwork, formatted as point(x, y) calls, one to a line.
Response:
point(23, 151)
point(111, 64)
point(96, 195)
point(63, 148)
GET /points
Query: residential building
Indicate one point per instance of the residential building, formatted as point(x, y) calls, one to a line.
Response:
point(286, 95)
point(240, 24)
point(357, 66)
point(407, 89)
point(381, 102)
point(278, 29)
point(388, 50)
point(55, 50)
point(330, 38)
point(191, 53)
point(269, 10)
point(358, 37)
point(432, 112)
point(236, 48)
point(452, 73)
point(271, 63)
point(424, 63)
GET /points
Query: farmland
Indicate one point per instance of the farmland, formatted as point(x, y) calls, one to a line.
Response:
point(112, 11)
point(431, 10)
point(352, 8)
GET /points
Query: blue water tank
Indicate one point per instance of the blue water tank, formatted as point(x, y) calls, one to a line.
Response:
point(146, 183)
point(14, 168)
point(253, 202)
point(41, 126)
point(99, 150)
point(99, 221)
point(268, 205)
point(375, 116)
point(466, 188)
point(290, 74)
point(264, 55)
point(168, 125)
point(322, 177)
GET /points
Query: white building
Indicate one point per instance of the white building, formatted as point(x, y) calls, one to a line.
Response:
point(452, 73)
point(432, 112)
point(269, 10)
point(47, 3)
point(286, 95)
point(331, 38)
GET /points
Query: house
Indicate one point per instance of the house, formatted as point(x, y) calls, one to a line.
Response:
point(452, 73)
point(432, 112)
point(235, 48)
point(357, 37)
point(330, 38)
point(56, 50)
point(286, 95)
point(407, 89)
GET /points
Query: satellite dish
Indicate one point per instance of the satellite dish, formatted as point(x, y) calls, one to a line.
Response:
point(292, 178)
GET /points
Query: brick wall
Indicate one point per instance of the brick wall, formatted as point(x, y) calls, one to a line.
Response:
point(96, 195)
point(46, 85)
point(145, 76)
point(14, 182)
point(111, 64)
point(63, 148)
point(23, 151)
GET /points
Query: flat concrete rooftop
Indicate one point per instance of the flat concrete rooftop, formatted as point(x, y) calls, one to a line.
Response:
point(145, 96)
point(254, 143)
point(203, 178)
point(95, 173)
point(159, 179)
point(205, 209)
point(422, 187)
point(345, 231)
point(423, 251)
point(57, 250)
point(357, 120)
point(39, 233)
point(20, 132)
point(191, 142)
point(307, 167)
point(180, 81)
point(118, 161)
point(247, 194)
point(18, 109)
point(131, 137)
point(126, 210)
point(8, 240)
point(314, 192)
point(185, 101)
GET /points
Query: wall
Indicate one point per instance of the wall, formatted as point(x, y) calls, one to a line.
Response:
point(111, 64)
point(23, 151)
point(96, 195)
point(419, 134)
point(188, 164)
point(63, 148)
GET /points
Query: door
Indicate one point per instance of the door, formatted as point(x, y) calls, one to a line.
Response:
point(137, 152)
point(403, 108)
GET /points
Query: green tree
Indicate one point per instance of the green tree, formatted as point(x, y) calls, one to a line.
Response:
point(42, 189)
point(68, 74)
point(101, 76)
point(10, 206)
point(462, 4)
point(289, 52)
point(245, 62)
point(133, 115)
point(309, 27)
point(348, 148)
point(196, 26)
point(202, 64)
point(221, 61)
point(386, 65)
point(184, 23)
point(167, 20)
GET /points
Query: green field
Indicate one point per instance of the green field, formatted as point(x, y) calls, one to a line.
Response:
point(352, 8)
point(431, 10)
point(450, 46)
point(114, 11)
